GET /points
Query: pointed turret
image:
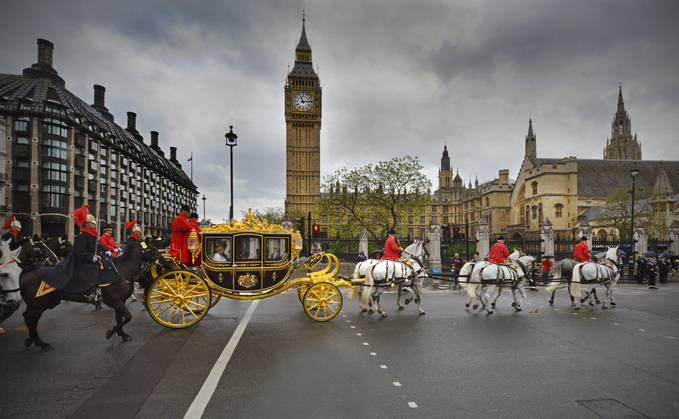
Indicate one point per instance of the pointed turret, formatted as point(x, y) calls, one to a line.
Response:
point(531, 146)
point(621, 103)
point(662, 181)
point(622, 145)
point(445, 160)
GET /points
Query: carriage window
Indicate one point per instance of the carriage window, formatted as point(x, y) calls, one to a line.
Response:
point(275, 249)
point(248, 248)
point(218, 249)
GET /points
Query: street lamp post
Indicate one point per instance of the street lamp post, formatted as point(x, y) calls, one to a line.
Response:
point(204, 206)
point(231, 141)
point(634, 171)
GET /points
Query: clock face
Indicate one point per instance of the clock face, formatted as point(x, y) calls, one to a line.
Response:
point(303, 101)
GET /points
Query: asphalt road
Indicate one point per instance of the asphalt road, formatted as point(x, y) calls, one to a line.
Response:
point(544, 362)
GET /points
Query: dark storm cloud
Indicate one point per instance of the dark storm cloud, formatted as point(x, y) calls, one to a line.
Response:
point(399, 77)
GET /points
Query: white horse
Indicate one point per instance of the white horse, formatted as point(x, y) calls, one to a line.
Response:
point(10, 297)
point(359, 273)
point(464, 279)
point(409, 272)
point(605, 273)
point(513, 275)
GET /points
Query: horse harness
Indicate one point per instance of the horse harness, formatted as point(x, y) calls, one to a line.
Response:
point(513, 271)
point(604, 266)
point(4, 291)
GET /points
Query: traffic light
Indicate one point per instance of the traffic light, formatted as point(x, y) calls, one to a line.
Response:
point(446, 233)
point(300, 225)
point(315, 230)
point(456, 233)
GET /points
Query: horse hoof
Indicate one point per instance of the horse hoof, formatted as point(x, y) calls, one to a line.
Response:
point(384, 315)
point(364, 310)
point(126, 338)
point(401, 307)
point(475, 306)
point(371, 311)
point(591, 304)
point(98, 307)
point(551, 302)
point(582, 300)
point(422, 313)
point(109, 333)
point(467, 305)
point(28, 342)
point(370, 303)
point(605, 307)
point(576, 308)
point(519, 309)
point(492, 305)
point(612, 303)
point(513, 304)
point(407, 301)
point(47, 347)
point(490, 312)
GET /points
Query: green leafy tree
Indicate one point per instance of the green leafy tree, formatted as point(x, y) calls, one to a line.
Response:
point(274, 215)
point(377, 198)
point(617, 212)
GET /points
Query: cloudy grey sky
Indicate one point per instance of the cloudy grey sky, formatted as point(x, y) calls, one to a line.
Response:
point(399, 77)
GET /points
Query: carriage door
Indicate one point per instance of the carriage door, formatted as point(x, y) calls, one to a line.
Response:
point(248, 262)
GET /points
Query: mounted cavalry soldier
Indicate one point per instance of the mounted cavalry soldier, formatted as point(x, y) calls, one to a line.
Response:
point(14, 234)
point(83, 270)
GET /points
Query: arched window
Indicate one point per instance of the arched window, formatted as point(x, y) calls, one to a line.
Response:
point(535, 188)
point(487, 202)
point(558, 210)
point(534, 210)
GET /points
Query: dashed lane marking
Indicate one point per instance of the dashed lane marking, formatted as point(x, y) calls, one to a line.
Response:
point(384, 367)
point(397, 384)
point(412, 404)
point(373, 353)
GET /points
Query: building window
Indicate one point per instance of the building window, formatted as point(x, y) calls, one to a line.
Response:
point(487, 202)
point(535, 188)
point(534, 212)
point(558, 210)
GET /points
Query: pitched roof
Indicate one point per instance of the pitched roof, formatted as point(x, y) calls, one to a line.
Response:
point(598, 178)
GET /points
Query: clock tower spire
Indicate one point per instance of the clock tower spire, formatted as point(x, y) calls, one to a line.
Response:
point(303, 96)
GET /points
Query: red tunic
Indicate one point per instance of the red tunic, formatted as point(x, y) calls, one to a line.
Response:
point(546, 264)
point(107, 241)
point(581, 252)
point(498, 253)
point(179, 246)
point(391, 250)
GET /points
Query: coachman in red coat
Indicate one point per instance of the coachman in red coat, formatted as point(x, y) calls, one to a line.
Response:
point(391, 249)
point(498, 253)
point(581, 251)
point(179, 246)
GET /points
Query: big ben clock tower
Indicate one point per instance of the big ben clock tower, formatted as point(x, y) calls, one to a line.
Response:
point(302, 132)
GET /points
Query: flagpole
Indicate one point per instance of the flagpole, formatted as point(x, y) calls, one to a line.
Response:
point(191, 167)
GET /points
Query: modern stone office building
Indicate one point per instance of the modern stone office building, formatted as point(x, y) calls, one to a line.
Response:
point(60, 153)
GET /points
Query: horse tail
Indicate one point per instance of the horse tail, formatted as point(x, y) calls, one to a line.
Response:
point(369, 281)
point(357, 270)
point(557, 274)
point(552, 286)
point(575, 282)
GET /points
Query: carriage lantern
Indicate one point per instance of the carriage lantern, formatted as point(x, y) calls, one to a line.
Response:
point(193, 245)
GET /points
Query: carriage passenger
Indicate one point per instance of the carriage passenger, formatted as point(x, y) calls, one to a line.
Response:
point(108, 243)
point(498, 253)
point(581, 251)
point(219, 255)
point(391, 249)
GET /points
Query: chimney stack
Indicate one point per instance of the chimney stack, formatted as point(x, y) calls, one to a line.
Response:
point(154, 139)
point(100, 102)
point(43, 68)
point(132, 122)
point(173, 154)
point(45, 53)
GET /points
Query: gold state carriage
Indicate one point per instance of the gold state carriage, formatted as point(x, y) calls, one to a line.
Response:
point(258, 262)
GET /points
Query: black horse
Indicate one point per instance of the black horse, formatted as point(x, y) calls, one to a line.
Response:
point(35, 254)
point(132, 264)
point(60, 246)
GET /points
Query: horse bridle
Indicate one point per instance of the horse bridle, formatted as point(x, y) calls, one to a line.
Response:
point(4, 291)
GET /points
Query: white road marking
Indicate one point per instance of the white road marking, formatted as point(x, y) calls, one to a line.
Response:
point(373, 353)
point(593, 318)
point(412, 404)
point(641, 330)
point(366, 343)
point(671, 337)
point(397, 384)
point(384, 367)
point(205, 394)
point(353, 327)
point(348, 321)
point(358, 334)
point(617, 324)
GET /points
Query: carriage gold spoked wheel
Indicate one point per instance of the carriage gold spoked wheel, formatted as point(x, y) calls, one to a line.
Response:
point(322, 301)
point(215, 299)
point(178, 299)
point(171, 264)
point(301, 291)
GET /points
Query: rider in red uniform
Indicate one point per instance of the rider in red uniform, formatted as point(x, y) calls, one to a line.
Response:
point(581, 251)
point(498, 253)
point(107, 241)
point(391, 249)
